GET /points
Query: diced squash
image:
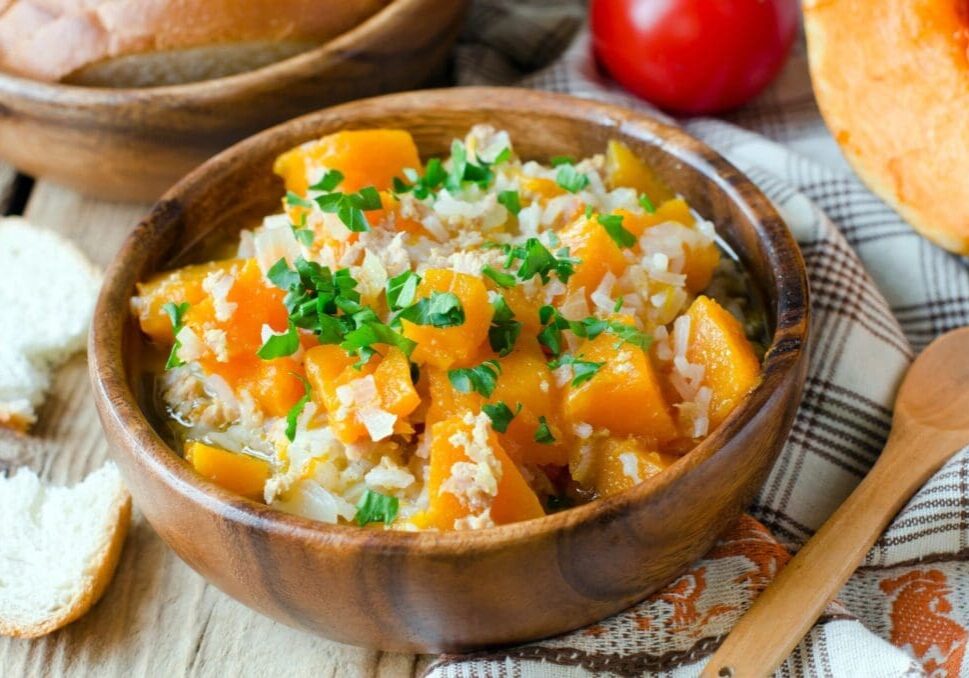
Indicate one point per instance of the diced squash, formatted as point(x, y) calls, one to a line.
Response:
point(276, 385)
point(624, 168)
point(718, 342)
point(699, 266)
point(675, 209)
point(525, 309)
point(177, 287)
point(513, 499)
point(540, 187)
point(238, 473)
point(370, 157)
point(621, 463)
point(624, 396)
point(443, 347)
point(328, 367)
point(526, 379)
point(445, 400)
point(589, 241)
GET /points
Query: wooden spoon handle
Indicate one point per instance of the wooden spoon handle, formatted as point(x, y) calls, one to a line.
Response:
point(786, 610)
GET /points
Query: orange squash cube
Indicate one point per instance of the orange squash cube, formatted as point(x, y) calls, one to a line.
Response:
point(589, 241)
point(512, 499)
point(443, 347)
point(731, 367)
point(179, 286)
point(328, 367)
point(238, 473)
point(624, 168)
point(621, 463)
point(625, 396)
point(370, 157)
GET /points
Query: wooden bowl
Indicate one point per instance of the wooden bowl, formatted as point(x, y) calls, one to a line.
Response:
point(459, 590)
point(133, 144)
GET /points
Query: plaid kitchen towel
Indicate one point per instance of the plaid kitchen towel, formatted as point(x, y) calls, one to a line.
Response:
point(880, 293)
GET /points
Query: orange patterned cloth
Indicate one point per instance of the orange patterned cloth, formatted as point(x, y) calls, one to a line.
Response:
point(880, 293)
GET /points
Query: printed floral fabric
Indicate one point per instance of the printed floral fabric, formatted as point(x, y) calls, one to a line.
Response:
point(880, 294)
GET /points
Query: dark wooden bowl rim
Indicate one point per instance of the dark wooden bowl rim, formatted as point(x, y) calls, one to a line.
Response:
point(783, 357)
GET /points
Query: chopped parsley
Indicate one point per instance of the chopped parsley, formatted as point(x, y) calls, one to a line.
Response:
point(441, 309)
point(462, 169)
point(349, 207)
point(646, 203)
point(374, 507)
point(401, 290)
point(504, 330)
point(618, 305)
point(481, 379)
point(500, 415)
point(176, 314)
point(501, 279)
point(562, 160)
point(422, 186)
point(582, 370)
point(554, 323)
point(613, 225)
point(538, 260)
point(330, 180)
point(511, 201)
point(543, 434)
point(292, 417)
point(570, 178)
point(296, 200)
point(304, 236)
point(328, 304)
point(280, 345)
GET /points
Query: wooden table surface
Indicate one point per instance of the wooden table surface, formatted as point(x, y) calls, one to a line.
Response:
point(158, 617)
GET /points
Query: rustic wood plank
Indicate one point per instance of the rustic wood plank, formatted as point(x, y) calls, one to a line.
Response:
point(158, 617)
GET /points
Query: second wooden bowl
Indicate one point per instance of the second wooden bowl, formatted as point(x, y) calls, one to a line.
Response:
point(459, 590)
point(133, 144)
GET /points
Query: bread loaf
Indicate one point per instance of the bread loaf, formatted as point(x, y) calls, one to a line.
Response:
point(143, 43)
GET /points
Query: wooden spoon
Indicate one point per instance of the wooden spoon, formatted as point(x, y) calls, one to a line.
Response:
point(931, 424)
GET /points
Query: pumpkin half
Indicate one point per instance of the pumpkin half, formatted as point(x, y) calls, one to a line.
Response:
point(892, 82)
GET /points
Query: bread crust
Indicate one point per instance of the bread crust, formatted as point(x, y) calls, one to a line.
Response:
point(892, 81)
point(51, 39)
point(93, 588)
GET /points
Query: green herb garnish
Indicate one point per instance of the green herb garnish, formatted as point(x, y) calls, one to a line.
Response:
point(176, 314)
point(543, 434)
point(502, 279)
point(374, 507)
point(401, 290)
point(292, 417)
point(613, 225)
point(331, 179)
point(511, 201)
point(504, 330)
point(297, 200)
point(500, 415)
point(349, 207)
point(570, 178)
point(441, 309)
point(422, 186)
point(582, 370)
point(562, 160)
point(646, 203)
point(280, 345)
point(481, 379)
point(538, 260)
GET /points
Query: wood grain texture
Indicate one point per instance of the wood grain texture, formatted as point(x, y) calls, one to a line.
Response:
point(930, 424)
point(132, 144)
point(459, 590)
point(158, 617)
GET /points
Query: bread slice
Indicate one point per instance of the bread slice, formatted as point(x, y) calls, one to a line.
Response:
point(164, 42)
point(48, 289)
point(892, 82)
point(59, 547)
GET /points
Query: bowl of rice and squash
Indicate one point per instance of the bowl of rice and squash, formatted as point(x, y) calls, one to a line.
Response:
point(451, 369)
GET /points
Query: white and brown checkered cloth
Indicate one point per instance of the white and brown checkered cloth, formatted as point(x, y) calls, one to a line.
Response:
point(880, 294)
